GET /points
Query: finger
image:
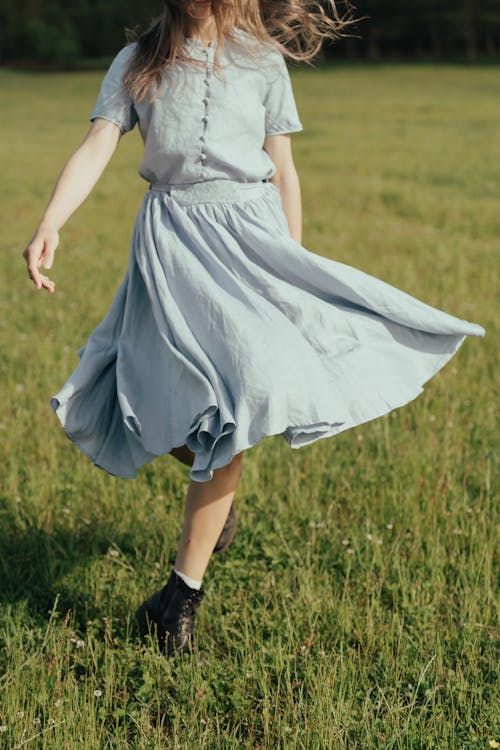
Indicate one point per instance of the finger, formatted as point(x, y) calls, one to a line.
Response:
point(32, 257)
point(48, 259)
point(34, 250)
point(47, 283)
point(34, 274)
point(48, 252)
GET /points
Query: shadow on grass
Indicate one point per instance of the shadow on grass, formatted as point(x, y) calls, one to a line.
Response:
point(88, 568)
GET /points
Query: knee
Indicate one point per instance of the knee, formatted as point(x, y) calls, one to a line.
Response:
point(234, 466)
point(186, 456)
point(237, 460)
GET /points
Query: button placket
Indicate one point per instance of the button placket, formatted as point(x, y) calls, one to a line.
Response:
point(205, 101)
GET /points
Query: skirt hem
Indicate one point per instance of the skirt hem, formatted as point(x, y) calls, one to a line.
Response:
point(297, 436)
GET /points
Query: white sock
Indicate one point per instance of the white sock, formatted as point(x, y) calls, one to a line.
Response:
point(191, 582)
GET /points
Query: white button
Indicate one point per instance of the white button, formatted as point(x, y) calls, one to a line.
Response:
point(205, 100)
point(203, 157)
point(204, 118)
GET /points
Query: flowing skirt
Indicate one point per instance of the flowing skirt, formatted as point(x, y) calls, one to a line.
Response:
point(225, 330)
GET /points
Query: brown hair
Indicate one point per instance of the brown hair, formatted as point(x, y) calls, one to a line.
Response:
point(295, 27)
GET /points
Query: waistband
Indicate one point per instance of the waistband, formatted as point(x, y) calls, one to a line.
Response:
point(211, 191)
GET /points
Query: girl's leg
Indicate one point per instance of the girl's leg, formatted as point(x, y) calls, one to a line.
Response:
point(183, 454)
point(171, 612)
point(207, 508)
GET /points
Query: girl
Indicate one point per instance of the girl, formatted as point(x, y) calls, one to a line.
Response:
point(225, 329)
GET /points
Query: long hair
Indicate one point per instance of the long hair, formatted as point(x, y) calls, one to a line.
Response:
point(295, 27)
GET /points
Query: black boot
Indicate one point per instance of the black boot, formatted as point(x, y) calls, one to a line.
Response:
point(228, 532)
point(170, 616)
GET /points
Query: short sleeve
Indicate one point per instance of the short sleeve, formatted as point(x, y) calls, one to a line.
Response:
point(114, 102)
point(280, 106)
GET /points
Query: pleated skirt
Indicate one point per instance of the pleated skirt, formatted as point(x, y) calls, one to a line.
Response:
point(224, 330)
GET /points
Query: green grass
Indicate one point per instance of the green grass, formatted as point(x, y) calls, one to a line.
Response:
point(357, 607)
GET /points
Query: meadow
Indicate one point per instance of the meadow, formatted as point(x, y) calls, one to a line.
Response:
point(358, 604)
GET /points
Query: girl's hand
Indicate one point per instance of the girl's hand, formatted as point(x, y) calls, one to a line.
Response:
point(41, 251)
point(78, 177)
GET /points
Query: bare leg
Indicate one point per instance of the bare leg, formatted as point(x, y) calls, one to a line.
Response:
point(207, 507)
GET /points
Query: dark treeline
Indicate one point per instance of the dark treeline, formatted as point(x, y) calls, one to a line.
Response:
point(424, 29)
point(60, 33)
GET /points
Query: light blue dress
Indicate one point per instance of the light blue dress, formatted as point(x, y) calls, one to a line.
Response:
point(225, 330)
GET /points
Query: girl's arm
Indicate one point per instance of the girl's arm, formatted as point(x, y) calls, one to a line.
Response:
point(78, 177)
point(279, 148)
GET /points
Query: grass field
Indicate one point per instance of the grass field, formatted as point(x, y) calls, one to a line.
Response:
point(357, 606)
